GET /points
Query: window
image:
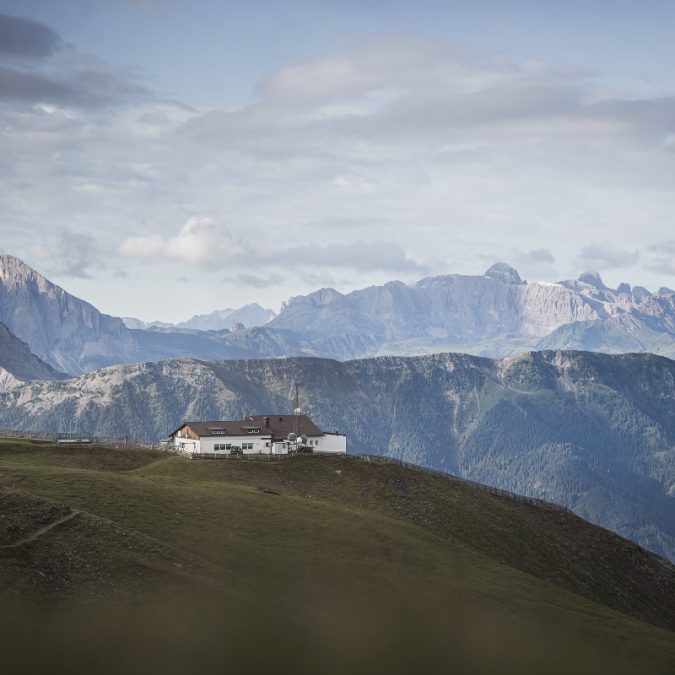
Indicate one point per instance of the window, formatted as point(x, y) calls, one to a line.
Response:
point(253, 431)
point(267, 445)
point(247, 446)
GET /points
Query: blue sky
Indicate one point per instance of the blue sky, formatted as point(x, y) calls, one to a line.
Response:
point(165, 158)
point(211, 52)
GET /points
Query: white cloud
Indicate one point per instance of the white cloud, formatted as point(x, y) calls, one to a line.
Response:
point(199, 240)
point(373, 67)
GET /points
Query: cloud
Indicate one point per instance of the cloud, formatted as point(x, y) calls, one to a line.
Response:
point(22, 86)
point(199, 240)
point(660, 257)
point(82, 88)
point(539, 255)
point(73, 254)
point(27, 38)
point(257, 281)
point(358, 256)
point(606, 256)
point(538, 262)
point(39, 68)
point(667, 247)
point(395, 157)
point(376, 65)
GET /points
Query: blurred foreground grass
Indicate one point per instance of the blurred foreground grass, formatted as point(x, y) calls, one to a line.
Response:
point(175, 566)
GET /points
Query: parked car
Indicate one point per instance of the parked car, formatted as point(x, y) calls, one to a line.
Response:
point(236, 450)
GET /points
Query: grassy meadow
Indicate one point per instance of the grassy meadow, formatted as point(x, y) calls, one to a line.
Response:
point(308, 564)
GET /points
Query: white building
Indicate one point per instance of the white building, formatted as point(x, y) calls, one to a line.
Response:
point(257, 434)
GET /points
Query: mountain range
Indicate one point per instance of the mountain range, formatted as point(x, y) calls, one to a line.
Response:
point(496, 314)
point(593, 432)
point(248, 316)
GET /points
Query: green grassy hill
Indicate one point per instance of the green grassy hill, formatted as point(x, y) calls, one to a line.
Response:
point(138, 561)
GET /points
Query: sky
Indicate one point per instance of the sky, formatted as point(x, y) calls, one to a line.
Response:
point(161, 158)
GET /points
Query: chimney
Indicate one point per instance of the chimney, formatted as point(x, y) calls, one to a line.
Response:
point(267, 422)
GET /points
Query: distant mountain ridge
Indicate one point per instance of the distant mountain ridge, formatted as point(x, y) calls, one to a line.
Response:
point(593, 432)
point(496, 314)
point(19, 364)
point(250, 316)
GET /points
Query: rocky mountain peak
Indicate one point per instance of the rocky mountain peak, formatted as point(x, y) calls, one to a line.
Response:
point(640, 293)
point(67, 333)
point(325, 296)
point(593, 279)
point(505, 273)
point(15, 271)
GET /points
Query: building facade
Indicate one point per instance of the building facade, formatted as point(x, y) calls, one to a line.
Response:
point(256, 434)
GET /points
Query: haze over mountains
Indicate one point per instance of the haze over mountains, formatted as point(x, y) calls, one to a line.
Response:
point(496, 314)
point(249, 316)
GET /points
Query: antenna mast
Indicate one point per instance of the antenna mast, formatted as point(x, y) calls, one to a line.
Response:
point(297, 412)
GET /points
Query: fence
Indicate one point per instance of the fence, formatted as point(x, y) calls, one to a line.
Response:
point(114, 441)
point(265, 457)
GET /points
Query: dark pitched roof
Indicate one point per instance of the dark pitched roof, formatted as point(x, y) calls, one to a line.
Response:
point(278, 426)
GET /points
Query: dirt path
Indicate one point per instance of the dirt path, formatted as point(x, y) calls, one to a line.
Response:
point(41, 531)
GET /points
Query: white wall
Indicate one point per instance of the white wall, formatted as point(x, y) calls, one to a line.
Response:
point(259, 443)
point(186, 444)
point(280, 448)
point(330, 443)
point(326, 443)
